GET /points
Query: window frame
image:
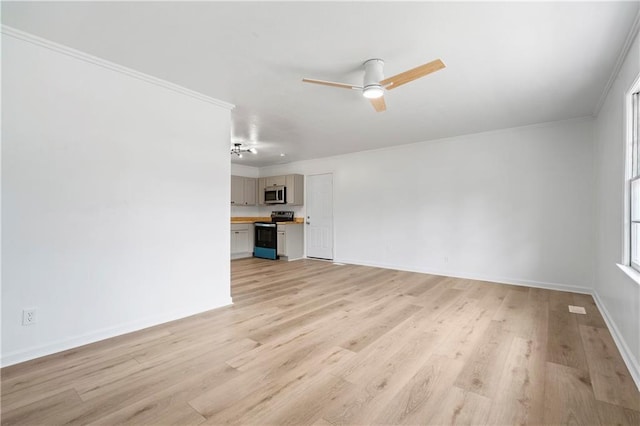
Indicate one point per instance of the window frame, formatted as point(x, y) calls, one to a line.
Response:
point(632, 174)
point(634, 180)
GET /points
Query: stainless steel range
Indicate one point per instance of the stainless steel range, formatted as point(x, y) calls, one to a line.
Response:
point(266, 235)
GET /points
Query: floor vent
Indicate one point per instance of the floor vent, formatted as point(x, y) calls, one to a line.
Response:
point(577, 310)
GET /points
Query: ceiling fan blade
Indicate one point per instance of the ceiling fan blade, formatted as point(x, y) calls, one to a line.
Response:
point(379, 104)
point(332, 84)
point(413, 74)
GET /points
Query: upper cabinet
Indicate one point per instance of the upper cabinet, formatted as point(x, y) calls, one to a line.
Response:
point(246, 191)
point(262, 183)
point(250, 188)
point(237, 190)
point(243, 191)
point(275, 181)
point(295, 189)
point(293, 183)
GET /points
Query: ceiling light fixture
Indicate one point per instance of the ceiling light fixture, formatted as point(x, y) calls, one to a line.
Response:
point(373, 91)
point(237, 149)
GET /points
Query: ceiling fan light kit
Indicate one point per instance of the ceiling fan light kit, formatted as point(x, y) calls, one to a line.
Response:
point(237, 149)
point(374, 85)
point(373, 91)
point(372, 78)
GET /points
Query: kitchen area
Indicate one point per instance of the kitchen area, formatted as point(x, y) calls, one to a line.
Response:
point(266, 217)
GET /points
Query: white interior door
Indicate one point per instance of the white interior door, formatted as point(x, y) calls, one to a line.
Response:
point(320, 216)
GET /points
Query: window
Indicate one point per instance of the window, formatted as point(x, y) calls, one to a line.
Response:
point(634, 182)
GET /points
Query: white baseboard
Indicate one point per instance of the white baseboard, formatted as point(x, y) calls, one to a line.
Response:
point(95, 336)
point(235, 256)
point(495, 279)
point(628, 358)
point(293, 259)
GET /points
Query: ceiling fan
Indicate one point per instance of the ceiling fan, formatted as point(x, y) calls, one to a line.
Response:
point(374, 85)
point(237, 149)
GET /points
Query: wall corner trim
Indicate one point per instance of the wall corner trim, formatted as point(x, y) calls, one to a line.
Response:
point(633, 32)
point(30, 38)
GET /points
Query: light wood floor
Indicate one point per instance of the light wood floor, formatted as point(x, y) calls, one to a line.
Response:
point(309, 342)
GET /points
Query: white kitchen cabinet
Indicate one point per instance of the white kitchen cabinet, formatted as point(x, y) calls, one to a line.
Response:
point(290, 241)
point(241, 240)
point(243, 191)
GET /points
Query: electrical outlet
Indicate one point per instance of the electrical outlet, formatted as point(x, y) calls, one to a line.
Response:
point(29, 316)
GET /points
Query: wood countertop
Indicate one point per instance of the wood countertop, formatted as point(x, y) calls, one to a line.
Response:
point(249, 219)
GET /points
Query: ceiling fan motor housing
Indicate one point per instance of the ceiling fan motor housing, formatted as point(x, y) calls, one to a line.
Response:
point(372, 76)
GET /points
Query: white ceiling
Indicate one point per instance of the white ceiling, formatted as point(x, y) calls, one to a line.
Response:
point(508, 64)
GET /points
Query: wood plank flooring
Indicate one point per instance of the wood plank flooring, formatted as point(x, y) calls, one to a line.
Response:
point(310, 342)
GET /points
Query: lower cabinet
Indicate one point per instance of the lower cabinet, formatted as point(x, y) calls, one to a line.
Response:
point(241, 240)
point(282, 242)
point(290, 241)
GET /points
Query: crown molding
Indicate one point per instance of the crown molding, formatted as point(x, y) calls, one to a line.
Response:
point(77, 54)
point(635, 28)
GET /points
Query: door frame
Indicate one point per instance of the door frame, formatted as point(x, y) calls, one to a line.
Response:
point(333, 227)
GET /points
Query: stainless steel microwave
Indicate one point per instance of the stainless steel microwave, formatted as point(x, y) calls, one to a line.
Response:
point(275, 195)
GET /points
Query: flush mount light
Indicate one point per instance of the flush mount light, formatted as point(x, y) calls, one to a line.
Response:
point(237, 149)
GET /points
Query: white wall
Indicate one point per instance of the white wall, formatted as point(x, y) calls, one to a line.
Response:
point(115, 191)
point(512, 206)
point(242, 170)
point(617, 294)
